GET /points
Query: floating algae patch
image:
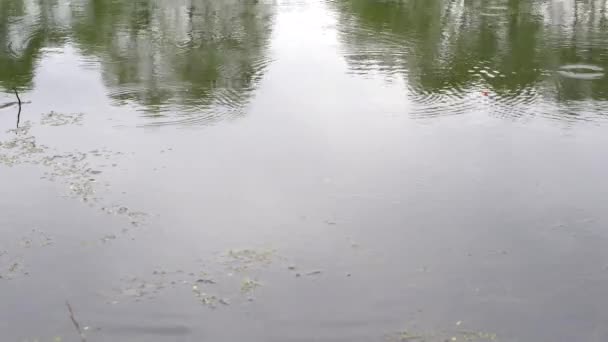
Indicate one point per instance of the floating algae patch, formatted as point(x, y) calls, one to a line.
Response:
point(206, 299)
point(135, 217)
point(79, 171)
point(38, 339)
point(76, 170)
point(453, 335)
point(36, 238)
point(248, 285)
point(477, 336)
point(58, 119)
point(12, 260)
point(407, 336)
point(243, 259)
point(73, 170)
point(211, 287)
point(142, 288)
point(138, 289)
point(21, 148)
point(11, 268)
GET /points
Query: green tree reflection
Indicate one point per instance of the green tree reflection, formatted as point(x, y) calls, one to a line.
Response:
point(507, 46)
point(160, 54)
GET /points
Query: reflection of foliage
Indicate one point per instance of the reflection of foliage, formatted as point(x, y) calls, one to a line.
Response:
point(16, 68)
point(175, 52)
point(25, 28)
point(439, 44)
point(154, 52)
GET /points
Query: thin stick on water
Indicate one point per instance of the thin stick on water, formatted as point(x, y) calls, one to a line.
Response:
point(75, 322)
point(18, 101)
point(18, 98)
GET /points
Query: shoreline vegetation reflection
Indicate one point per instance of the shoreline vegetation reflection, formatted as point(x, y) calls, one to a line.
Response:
point(513, 58)
point(199, 58)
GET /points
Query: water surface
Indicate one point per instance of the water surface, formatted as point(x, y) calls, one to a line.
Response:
point(303, 170)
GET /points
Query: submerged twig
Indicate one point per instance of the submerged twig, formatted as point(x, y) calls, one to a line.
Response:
point(75, 322)
point(19, 102)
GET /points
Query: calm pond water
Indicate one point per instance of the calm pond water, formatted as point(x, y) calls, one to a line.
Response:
point(303, 170)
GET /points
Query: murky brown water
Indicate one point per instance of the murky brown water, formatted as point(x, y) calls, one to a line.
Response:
point(348, 170)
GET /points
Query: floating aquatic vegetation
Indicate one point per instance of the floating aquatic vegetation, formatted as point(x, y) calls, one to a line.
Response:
point(407, 336)
point(477, 336)
point(309, 273)
point(12, 262)
point(36, 238)
point(135, 217)
point(58, 119)
point(75, 171)
point(447, 336)
point(78, 171)
point(11, 268)
point(37, 339)
point(206, 281)
point(243, 259)
point(248, 285)
point(139, 288)
point(21, 148)
point(207, 299)
point(213, 287)
point(108, 238)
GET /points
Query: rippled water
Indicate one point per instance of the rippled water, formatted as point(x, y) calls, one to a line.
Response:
point(303, 170)
point(526, 57)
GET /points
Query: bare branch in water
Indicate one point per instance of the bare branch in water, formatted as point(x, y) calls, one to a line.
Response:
point(75, 322)
point(19, 102)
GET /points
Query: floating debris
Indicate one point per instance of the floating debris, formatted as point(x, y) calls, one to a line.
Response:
point(477, 336)
point(36, 238)
point(108, 238)
point(139, 289)
point(461, 335)
point(135, 217)
point(249, 285)
point(77, 170)
point(201, 282)
point(243, 259)
point(58, 119)
point(206, 281)
point(406, 336)
point(11, 269)
point(204, 298)
point(21, 148)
